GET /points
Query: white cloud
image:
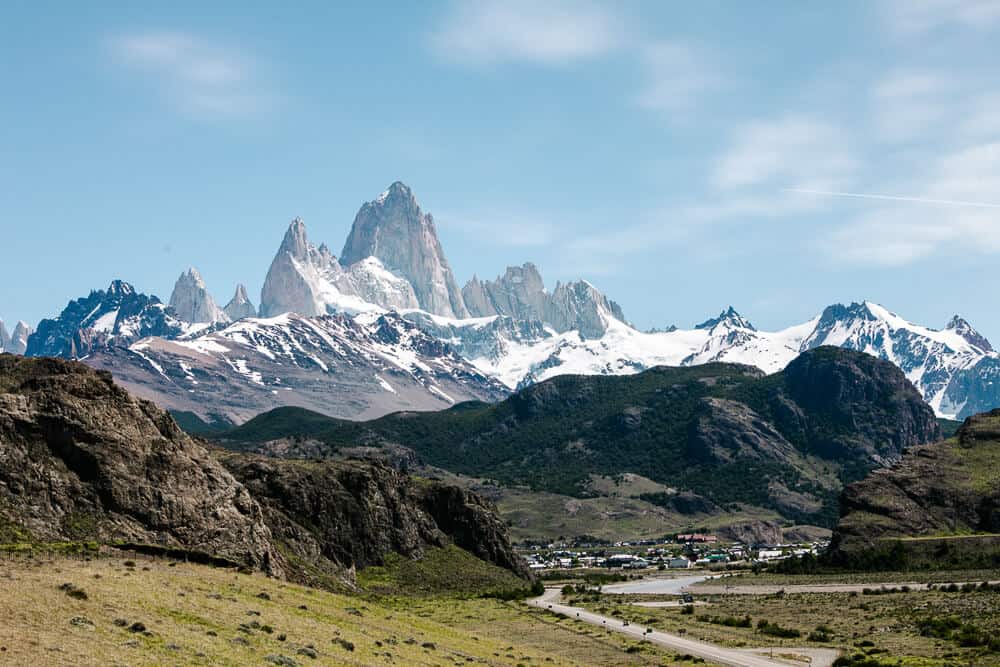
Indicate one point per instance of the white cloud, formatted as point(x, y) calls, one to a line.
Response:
point(548, 33)
point(910, 17)
point(677, 77)
point(195, 75)
point(909, 104)
point(908, 231)
point(793, 151)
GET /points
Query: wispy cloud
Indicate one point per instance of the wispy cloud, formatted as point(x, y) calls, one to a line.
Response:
point(548, 33)
point(797, 150)
point(907, 105)
point(911, 229)
point(912, 17)
point(195, 75)
point(677, 77)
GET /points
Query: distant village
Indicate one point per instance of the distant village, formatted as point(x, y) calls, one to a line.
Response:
point(680, 553)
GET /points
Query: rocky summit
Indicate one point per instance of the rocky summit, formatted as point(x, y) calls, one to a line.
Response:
point(85, 461)
point(17, 341)
point(393, 229)
point(192, 302)
point(116, 316)
point(240, 306)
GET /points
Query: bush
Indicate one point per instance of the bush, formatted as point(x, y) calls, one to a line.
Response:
point(775, 630)
point(687, 609)
point(728, 621)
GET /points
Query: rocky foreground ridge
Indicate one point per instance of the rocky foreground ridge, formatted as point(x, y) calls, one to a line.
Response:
point(941, 502)
point(81, 459)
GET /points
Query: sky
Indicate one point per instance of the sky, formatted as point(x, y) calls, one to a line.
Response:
point(680, 156)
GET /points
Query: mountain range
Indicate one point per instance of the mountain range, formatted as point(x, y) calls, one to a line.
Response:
point(710, 439)
point(325, 324)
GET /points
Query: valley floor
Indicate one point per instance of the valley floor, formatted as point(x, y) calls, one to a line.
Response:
point(154, 612)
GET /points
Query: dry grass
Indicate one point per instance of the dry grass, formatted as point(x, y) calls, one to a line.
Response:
point(197, 615)
point(886, 626)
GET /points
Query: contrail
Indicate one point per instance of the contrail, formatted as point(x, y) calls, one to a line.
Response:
point(917, 200)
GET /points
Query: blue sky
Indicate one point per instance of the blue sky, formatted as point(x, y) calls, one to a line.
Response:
point(651, 148)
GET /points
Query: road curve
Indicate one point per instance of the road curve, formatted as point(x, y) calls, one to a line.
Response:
point(711, 652)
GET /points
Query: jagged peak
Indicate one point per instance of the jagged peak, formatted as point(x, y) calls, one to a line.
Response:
point(295, 242)
point(730, 317)
point(397, 189)
point(241, 294)
point(961, 326)
point(120, 288)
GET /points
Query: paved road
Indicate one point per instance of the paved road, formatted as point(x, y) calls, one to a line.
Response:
point(717, 654)
point(657, 585)
point(769, 589)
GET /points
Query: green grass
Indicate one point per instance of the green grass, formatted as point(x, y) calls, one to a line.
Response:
point(449, 571)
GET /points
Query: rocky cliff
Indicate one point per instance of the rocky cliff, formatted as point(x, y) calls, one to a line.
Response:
point(15, 342)
point(338, 514)
point(192, 301)
point(948, 490)
point(521, 294)
point(393, 229)
point(83, 460)
point(80, 459)
point(240, 305)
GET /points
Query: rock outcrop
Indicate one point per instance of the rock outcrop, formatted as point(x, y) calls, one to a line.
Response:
point(520, 294)
point(344, 514)
point(192, 302)
point(83, 460)
point(240, 306)
point(948, 490)
point(80, 459)
point(393, 229)
point(17, 342)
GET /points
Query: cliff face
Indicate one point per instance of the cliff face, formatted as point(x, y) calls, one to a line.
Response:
point(343, 514)
point(950, 488)
point(81, 459)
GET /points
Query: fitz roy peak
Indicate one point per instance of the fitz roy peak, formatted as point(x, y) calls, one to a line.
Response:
point(192, 302)
point(394, 230)
point(326, 324)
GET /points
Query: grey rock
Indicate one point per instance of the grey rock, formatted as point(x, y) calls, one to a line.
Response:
point(83, 460)
point(192, 302)
point(393, 229)
point(520, 293)
point(300, 276)
point(240, 305)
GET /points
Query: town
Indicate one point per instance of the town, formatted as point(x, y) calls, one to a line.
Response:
point(677, 552)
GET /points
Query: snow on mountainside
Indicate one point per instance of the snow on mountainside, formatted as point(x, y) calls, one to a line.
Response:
point(353, 367)
point(116, 316)
point(15, 342)
point(954, 368)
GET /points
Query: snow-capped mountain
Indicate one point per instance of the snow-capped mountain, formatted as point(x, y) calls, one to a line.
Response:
point(394, 230)
point(494, 334)
point(308, 280)
point(347, 366)
point(240, 305)
point(520, 293)
point(15, 342)
point(116, 316)
point(192, 302)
